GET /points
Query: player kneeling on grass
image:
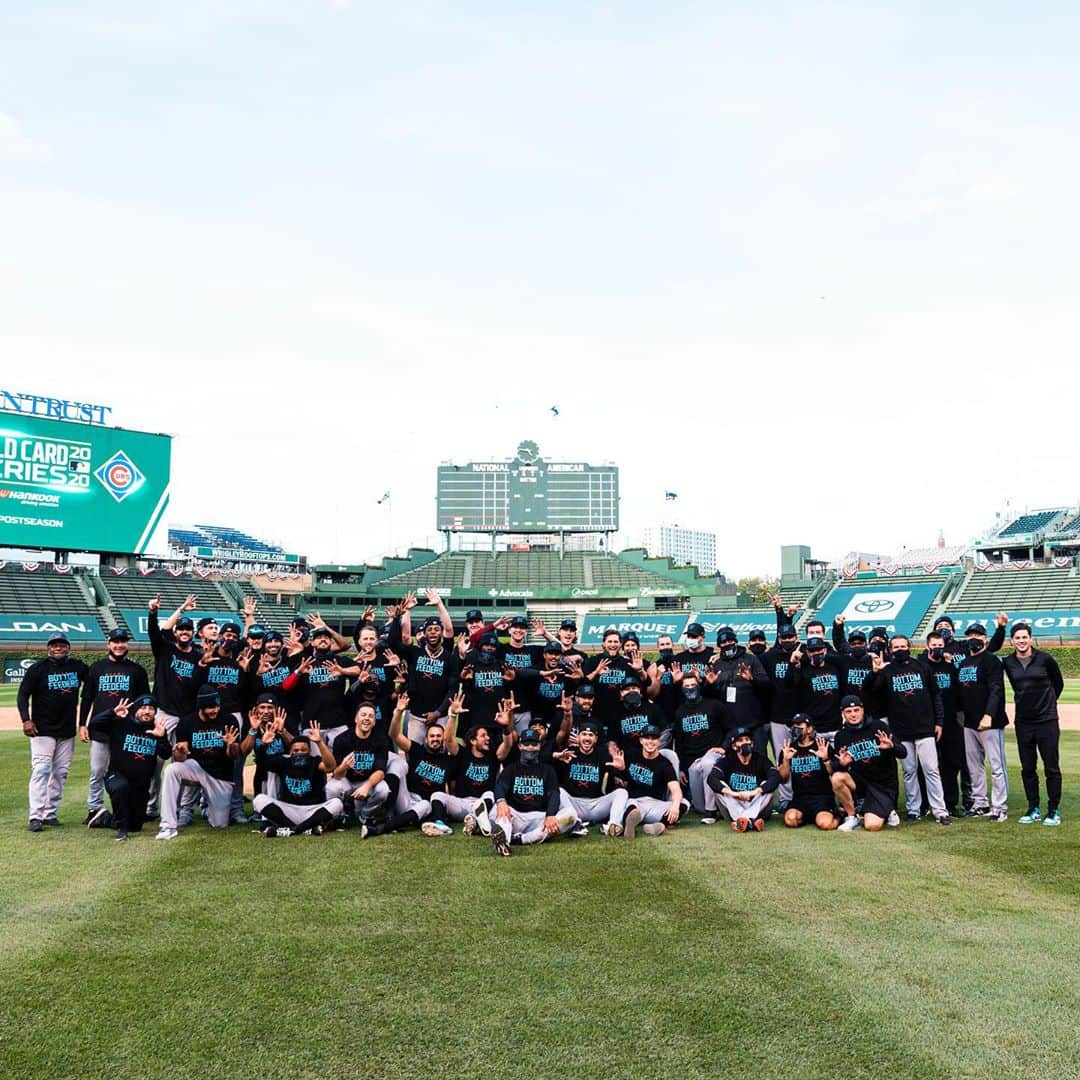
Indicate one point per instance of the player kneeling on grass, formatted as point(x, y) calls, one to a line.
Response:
point(582, 773)
point(527, 799)
point(430, 767)
point(865, 769)
point(656, 798)
point(744, 782)
point(359, 779)
point(206, 746)
point(806, 762)
point(477, 766)
point(301, 805)
point(135, 739)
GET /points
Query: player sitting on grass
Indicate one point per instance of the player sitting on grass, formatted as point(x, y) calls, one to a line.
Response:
point(744, 781)
point(806, 761)
point(656, 798)
point(301, 805)
point(586, 787)
point(865, 769)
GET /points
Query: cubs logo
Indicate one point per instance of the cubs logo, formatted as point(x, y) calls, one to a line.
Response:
point(119, 476)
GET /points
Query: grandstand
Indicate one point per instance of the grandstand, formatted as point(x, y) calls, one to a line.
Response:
point(220, 536)
point(44, 592)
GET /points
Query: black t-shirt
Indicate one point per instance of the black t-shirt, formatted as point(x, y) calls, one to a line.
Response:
point(484, 691)
point(583, 777)
point(810, 780)
point(870, 762)
point(174, 670)
point(819, 690)
point(740, 776)
point(269, 682)
point(303, 783)
point(226, 677)
point(107, 682)
point(369, 755)
point(529, 788)
point(980, 682)
point(53, 687)
point(206, 741)
point(648, 778)
point(431, 679)
point(133, 751)
point(608, 684)
point(695, 662)
point(908, 696)
point(625, 727)
point(324, 694)
point(547, 695)
point(784, 697)
point(698, 727)
point(473, 776)
point(428, 770)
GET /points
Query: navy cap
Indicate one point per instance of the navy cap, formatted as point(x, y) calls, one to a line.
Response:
point(58, 639)
point(299, 620)
point(856, 637)
point(591, 725)
point(568, 624)
point(474, 615)
point(143, 699)
point(976, 628)
point(631, 636)
point(519, 621)
point(649, 731)
point(266, 699)
point(531, 737)
point(725, 633)
point(320, 631)
point(231, 627)
point(850, 700)
point(206, 620)
point(757, 635)
point(786, 630)
point(273, 635)
point(585, 690)
point(815, 643)
point(553, 647)
point(183, 623)
point(431, 620)
point(802, 718)
point(741, 733)
point(943, 620)
point(119, 634)
point(880, 631)
point(489, 637)
point(695, 629)
point(207, 696)
point(255, 630)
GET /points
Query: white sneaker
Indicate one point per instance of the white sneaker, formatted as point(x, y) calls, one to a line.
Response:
point(436, 828)
point(708, 820)
point(165, 834)
point(998, 815)
point(656, 828)
point(893, 820)
point(850, 824)
point(565, 818)
point(482, 819)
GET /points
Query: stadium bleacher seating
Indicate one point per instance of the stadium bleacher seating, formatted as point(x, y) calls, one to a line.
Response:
point(1017, 590)
point(219, 536)
point(1029, 523)
point(44, 593)
point(268, 613)
point(1069, 527)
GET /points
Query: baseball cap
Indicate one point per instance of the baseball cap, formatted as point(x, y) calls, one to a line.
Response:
point(631, 636)
point(804, 718)
point(489, 637)
point(725, 633)
point(943, 620)
point(649, 731)
point(591, 725)
point(58, 639)
point(553, 647)
point(815, 643)
point(531, 737)
point(231, 627)
point(757, 635)
point(786, 630)
point(856, 637)
point(141, 700)
point(850, 700)
point(183, 623)
point(879, 631)
point(474, 615)
point(520, 620)
point(207, 696)
point(568, 624)
point(431, 620)
point(320, 631)
point(300, 620)
point(273, 635)
point(695, 629)
point(266, 699)
point(255, 630)
point(119, 634)
point(976, 628)
point(585, 690)
point(206, 620)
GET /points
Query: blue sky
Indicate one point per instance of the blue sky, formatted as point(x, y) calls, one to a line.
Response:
point(811, 266)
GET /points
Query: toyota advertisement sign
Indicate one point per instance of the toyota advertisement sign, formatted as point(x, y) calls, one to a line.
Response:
point(899, 608)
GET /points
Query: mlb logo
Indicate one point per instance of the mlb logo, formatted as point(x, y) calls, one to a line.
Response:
point(878, 605)
point(119, 476)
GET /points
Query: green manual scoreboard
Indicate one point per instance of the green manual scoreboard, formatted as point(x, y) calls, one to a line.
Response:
point(80, 487)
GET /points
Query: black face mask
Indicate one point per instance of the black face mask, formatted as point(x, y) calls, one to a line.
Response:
point(901, 656)
point(757, 648)
point(297, 760)
point(744, 751)
point(798, 734)
point(485, 659)
point(228, 648)
point(936, 652)
point(788, 647)
point(692, 693)
point(529, 757)
point(946, 633)
point(729, 652)
point(666, 656)
point(975, 646)
point(632, 700)
point(581, 710)
point(859, 651)
point(817, 659)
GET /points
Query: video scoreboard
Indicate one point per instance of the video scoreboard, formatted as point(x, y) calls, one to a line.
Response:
point(527, 495)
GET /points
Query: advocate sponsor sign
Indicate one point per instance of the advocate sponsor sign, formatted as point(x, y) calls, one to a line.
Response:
point(15, 668)
point(138, 619)
point(42, 627)
point(1065, 621)
point(899, 608)
point(648, 626)
point(80, 487)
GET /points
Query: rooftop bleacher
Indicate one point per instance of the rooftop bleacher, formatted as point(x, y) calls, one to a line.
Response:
point(219, 536)
point(929, 556)
point(1069, 527)
point(1029, 523)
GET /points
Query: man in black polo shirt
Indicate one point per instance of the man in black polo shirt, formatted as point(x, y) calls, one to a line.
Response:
point(1037, 684)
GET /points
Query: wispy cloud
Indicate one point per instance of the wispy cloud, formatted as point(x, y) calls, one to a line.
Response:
point(15, 145)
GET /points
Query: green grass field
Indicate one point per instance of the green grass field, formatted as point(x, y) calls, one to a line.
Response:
point(919, 952)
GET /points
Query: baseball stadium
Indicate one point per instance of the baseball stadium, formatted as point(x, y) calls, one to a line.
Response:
point(924, 952)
